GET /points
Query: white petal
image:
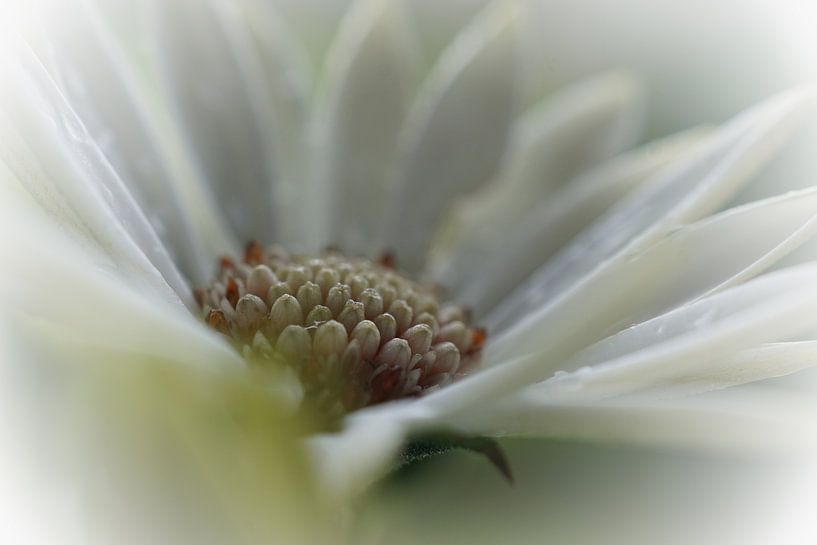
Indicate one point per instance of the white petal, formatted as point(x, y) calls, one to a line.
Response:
point(349, 461)
point(211, 86)
point(690, 263)
point(755, 422)
point(278, 79)
point(80, 299)
point(587, 123)
point(696, 340)
point(112, 98)
point(682, 193)
point(550, 145)
point(770, 360)
point(455, 133)
point(125, 32)
point(734, 246)
point(370, 84)
point(509, 259)
point(770, 308)
point(48, 149)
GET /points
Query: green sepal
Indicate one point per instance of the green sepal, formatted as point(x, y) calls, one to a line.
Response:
point(425, 446)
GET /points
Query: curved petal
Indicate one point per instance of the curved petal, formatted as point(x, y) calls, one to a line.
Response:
point(124, 31)
point(768, 422)
point(48, 149)
point(278, 84)
point(102, 83)
point(587, 123)
point(211, 88)
point(79, 297)
point(692, 262)
point(682, 193)
point(539, 234)
point(695, 340)
point(455, 133)
point(349, 461)
point(770, 360)
point(369, 87)
point(769, 308)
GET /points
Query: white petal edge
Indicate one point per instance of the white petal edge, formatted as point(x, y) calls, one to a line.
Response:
point(767, 361)
point(766, 423)
point(694, 340)
point(351, 460)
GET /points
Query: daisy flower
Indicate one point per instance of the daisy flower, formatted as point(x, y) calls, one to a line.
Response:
point(393, 247)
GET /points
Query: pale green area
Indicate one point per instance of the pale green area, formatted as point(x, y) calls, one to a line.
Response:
point(155, 453)
point(572, 493)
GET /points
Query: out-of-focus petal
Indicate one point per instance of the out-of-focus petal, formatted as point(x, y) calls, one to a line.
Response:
point(279, 80)
point(218, 89)
point(81, 297)
point(455, 133)
point(111, 92)
point(47, 149)
point(527, 244)
point(549, 146)
point(369, 86)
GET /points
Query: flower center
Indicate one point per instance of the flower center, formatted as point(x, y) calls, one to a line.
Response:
point(355, 332)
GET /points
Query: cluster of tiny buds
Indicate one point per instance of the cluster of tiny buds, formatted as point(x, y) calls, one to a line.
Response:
point(355, 331)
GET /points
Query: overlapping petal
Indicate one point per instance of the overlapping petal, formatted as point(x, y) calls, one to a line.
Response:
point(47, 149)
point(682, 193)
point(455, 133)
point(116, 102)
point(219, 89)
point(534, 237)
point(75, 298)
point(369, 86)
point(735, 246)
point(548, 146)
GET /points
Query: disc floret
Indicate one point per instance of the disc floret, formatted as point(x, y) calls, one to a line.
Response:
point(354, 331)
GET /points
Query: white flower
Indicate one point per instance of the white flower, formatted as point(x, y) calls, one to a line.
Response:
point(616, 282)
